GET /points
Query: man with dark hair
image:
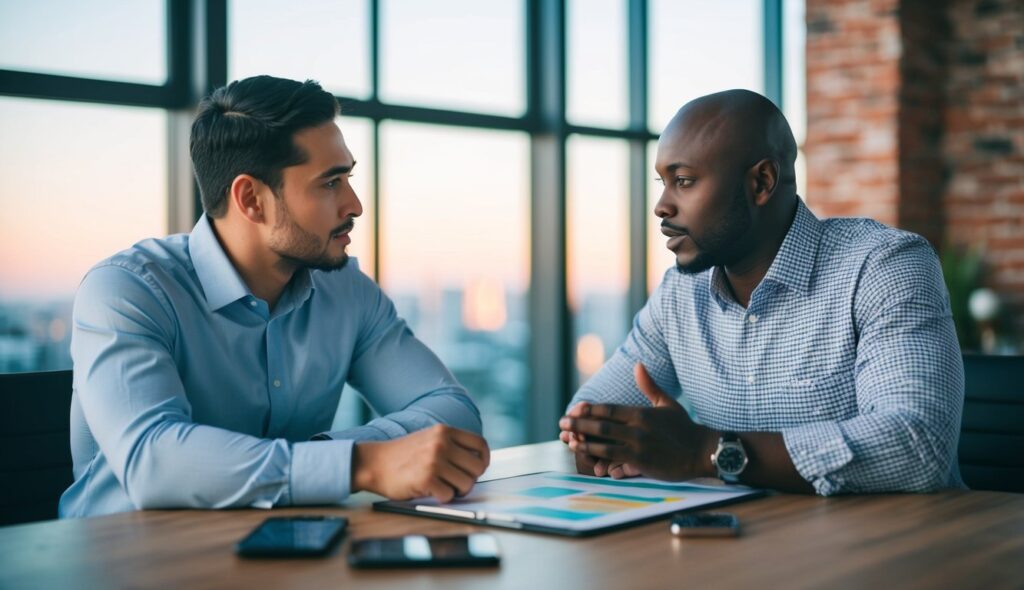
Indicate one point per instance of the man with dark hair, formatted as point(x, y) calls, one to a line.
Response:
point(208, 366)
point(807, 355)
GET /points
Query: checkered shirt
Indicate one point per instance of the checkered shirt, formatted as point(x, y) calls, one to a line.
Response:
point(847, 348)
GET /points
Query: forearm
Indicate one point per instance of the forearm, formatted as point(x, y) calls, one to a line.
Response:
point(769, 466)
point(450, 406)
point(184, 465)
point(886, 452)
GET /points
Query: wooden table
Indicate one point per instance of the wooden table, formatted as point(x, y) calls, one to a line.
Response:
point(945, 540)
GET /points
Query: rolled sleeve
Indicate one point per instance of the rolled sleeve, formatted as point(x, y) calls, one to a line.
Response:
point(818, 452)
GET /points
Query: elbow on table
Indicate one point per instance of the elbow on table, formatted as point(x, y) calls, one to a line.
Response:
point(932, 477)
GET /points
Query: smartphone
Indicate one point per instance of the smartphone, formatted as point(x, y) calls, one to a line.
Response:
point(705, 524)
point(478, 549)
point(293, 536)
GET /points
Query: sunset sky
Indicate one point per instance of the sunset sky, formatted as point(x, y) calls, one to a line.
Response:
point(79, 182)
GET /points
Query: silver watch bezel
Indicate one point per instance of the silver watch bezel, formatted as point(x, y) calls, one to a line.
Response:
point(724, 444)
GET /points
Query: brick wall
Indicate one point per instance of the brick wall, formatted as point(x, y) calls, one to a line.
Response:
point(853, 76)
point(916, 118)
point(984, 141)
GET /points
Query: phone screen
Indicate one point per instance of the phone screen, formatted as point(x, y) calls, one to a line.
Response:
point(422, 551)
point(293, 536)
point(704, 524)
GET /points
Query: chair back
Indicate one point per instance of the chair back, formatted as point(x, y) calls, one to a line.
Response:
point(35, 445)
point(992, 432)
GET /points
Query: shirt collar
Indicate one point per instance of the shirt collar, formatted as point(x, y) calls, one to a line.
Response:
point(220, 281)
point(793, 264)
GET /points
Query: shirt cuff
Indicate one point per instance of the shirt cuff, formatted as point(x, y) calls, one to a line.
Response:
point(818, 450)
point(321, 472)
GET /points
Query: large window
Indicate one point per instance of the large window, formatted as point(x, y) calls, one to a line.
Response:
point(101, 39)
point(455, 247)
point(699, 47)
point(597, 234)
point(456, 54)
point(505, 158)
point(78, 182)
point(331, 36)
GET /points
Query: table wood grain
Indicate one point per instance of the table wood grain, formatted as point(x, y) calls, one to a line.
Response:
point(952, 539)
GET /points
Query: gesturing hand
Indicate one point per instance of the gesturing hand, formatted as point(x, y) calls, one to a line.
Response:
point(439, 461)
point(660, 441)
point(588, 465)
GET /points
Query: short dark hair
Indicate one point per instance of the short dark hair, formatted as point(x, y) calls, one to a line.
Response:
point(247, 126)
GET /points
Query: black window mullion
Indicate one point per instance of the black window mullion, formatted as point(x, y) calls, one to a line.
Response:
point(550, 322)
point(773, 51)
point(638, 166)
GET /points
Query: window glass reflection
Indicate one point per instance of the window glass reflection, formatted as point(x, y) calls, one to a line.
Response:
point(696, 48)
point(101, 39)
point(598, 92)
point(597, 231)
point(457, 54)
point(78, 183)
point(454, 251)
point(326, 40)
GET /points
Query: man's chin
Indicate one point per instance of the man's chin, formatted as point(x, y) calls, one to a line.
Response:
point(329, 265)
point(694, 265)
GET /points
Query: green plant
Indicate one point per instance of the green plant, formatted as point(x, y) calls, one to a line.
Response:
point(962, 269)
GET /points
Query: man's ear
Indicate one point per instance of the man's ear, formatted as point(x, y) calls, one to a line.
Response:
point(765, 180)
point(244, 195)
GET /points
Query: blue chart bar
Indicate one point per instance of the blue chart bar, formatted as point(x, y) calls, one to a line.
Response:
point(678, 488)
point(547, 492)
point(556, 513)
point(628, 498)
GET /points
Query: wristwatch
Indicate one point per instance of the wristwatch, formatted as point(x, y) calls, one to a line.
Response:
point(730, 457)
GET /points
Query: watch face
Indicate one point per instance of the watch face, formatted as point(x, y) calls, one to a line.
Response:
point(731, 460)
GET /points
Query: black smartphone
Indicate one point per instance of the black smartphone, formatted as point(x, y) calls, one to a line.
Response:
point(293, 536)
point(705, 524)
point(477, 549)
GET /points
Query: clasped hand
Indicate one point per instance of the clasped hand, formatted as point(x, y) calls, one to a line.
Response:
point(660, 441)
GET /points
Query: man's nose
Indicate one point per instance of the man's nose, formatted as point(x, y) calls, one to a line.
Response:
point(664, 208)
point(350, 204)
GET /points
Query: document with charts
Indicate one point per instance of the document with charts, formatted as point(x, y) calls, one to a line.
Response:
point(571, 504)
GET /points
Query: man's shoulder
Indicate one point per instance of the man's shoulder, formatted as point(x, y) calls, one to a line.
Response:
point(855, 240)
point(153, 260)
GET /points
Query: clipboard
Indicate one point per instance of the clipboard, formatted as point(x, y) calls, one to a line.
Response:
point(557, 503)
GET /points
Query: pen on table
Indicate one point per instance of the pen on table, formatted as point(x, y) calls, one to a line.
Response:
point(446, 511)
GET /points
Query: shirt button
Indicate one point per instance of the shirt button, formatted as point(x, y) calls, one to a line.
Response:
point(252, 304)
point(750, 379)
point(277, 383)
point(752, 319)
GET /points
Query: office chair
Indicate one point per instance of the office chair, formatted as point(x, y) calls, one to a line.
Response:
point(35, 449)
point(992, 432)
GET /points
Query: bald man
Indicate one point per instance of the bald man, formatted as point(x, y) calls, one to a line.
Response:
point(782, 351)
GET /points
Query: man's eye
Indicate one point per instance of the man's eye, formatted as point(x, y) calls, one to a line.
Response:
point(332, 183)
point(684, 182)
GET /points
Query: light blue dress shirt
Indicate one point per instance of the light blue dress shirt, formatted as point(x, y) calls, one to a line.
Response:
point(191, 392)
point(847, 348)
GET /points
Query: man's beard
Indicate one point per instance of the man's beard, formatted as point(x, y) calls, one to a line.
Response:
point(302, 248)
point(717, 247)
